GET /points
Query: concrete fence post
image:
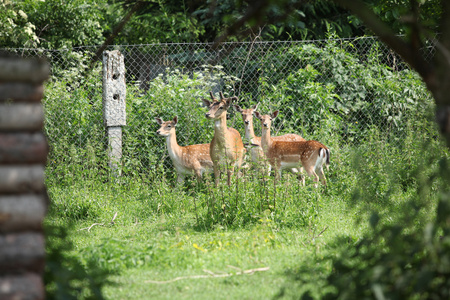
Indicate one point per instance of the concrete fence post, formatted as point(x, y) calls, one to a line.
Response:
point(114, 110)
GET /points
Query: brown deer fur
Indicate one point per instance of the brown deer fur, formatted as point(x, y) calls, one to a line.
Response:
point(312, 155)
point(227, 149)
point(257, 153)
point(188, 159)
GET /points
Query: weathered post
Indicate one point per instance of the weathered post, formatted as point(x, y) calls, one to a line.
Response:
point(114, 112)
point(23, 197)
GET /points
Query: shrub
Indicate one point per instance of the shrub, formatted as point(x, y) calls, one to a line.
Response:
point(337, 90)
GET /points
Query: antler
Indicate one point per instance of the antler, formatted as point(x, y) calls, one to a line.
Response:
point(221, 96)
point(212, 96)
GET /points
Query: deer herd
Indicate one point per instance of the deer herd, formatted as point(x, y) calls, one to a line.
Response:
point(226, 152)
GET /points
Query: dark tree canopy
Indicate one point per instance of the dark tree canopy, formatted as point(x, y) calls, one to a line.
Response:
point(54, 24)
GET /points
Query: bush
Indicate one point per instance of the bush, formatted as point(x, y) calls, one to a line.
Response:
point(403, 255)
point(340, 91)
point(66, 277)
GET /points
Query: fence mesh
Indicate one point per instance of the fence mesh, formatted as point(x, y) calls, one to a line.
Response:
point(334, 90)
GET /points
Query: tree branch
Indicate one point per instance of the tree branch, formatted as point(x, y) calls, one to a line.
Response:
point(114, 34)
point(408, 52)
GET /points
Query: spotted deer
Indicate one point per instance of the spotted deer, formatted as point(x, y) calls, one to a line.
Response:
point(311, 154)
point(257, 153)
point(188, 159)
point(227, 149)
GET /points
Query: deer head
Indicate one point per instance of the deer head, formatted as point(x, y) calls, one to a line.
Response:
point(247, 114)
point(167, 127)
point(217, 108)
point(266, 120)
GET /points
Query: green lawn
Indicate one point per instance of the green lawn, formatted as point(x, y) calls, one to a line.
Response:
point(151, 242)
point(164, 233)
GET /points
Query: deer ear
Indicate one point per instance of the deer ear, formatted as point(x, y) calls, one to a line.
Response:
point(159, 121)
point(175, 120)
point(228, 101)
point(255, 107)
point(274, 114)
point(206, 103)
point(237, 108)
point(257, 114)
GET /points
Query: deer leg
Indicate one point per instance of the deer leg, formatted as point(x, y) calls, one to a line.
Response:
point(180, 179)
point(198, 174)
point(300, 176)
point(310, 171)
point(322, 176)
point(300, 173)
point(216, 174)
point(230, 171)
point(277, 167)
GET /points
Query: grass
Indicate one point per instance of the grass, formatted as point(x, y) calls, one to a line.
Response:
point(162, 232)
point(166, 246)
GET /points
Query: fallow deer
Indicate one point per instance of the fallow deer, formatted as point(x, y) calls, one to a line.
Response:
point(257, 153)
point(227, 149)
point(311, 154)
point(188, 159)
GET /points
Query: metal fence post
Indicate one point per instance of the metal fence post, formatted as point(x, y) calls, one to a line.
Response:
point(114, 111)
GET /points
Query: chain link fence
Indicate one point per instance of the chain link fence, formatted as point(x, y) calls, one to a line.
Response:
point(337, 91)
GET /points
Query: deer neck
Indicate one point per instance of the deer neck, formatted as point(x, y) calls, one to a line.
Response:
point(220, 129)
point(249, 132)
point(266, 141)
point(172, 146)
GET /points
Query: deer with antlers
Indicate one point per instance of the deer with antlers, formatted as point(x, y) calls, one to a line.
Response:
point(257, 153)
point(311, 154)
point(188, 159)
point(227, 149)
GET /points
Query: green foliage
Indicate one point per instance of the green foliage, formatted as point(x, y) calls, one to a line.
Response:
point(56, 24)
point(164, 22)
point(402, 256)
point(62, 24)
point(75, 136)
point(65, 276)
point(15, 28)
point(393, 11)
point(350, 93)
point(250, 199)
point(115, 255)
point(284, 20)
